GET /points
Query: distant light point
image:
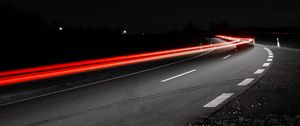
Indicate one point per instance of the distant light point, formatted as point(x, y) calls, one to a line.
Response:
point(60, 28)
point(124, 32)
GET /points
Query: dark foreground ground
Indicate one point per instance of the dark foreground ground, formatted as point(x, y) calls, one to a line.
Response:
point(273, 100)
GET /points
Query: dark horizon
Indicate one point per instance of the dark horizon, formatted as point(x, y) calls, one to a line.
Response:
point(152, 17)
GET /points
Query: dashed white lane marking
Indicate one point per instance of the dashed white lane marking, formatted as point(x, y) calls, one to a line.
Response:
point(226, 57)
point(259, 71)
point(269, 60)
point(218, 100)
point(267, 49)
point(270, 56)
point(246, 82)
point(179, 75)
point(266, 64)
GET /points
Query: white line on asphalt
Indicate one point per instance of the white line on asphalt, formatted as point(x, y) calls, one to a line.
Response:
point(268, 49)
point(179, 75)
point(270, 56)
point(269, 60)
point(226, 57)
point(259, 71)
point(218, 100)
point(246, 82)
point(105, 80)
point(266, 64)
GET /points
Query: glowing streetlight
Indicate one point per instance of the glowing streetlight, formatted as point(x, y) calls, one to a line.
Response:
point(60, 28)
point(124, 32)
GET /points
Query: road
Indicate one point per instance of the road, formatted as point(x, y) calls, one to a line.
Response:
point(170, 95)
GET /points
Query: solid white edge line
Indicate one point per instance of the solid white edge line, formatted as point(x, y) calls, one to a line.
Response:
point(266, 64)
point(218, 100)
point(101, 81)
point(179, 75)
point(259, 71)
point(246, 82)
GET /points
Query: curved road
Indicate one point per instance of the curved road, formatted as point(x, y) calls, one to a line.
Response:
point(171, 95)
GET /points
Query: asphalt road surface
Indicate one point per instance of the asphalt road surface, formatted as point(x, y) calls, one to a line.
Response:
point(170, 95)
point(272, 101)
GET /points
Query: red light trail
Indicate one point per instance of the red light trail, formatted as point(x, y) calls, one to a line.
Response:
point(36, 73)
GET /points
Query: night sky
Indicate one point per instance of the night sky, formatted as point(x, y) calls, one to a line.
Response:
point(164, 15)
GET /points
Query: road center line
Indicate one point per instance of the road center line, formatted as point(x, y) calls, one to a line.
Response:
point(218, 100)
point(266, 64)
point(246, 82)
point(179, 75)
point(226, 57)
point(270, 56)
point(269, 60)
point(259, 71)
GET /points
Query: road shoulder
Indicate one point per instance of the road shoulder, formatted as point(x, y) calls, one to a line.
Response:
point(273, 100)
